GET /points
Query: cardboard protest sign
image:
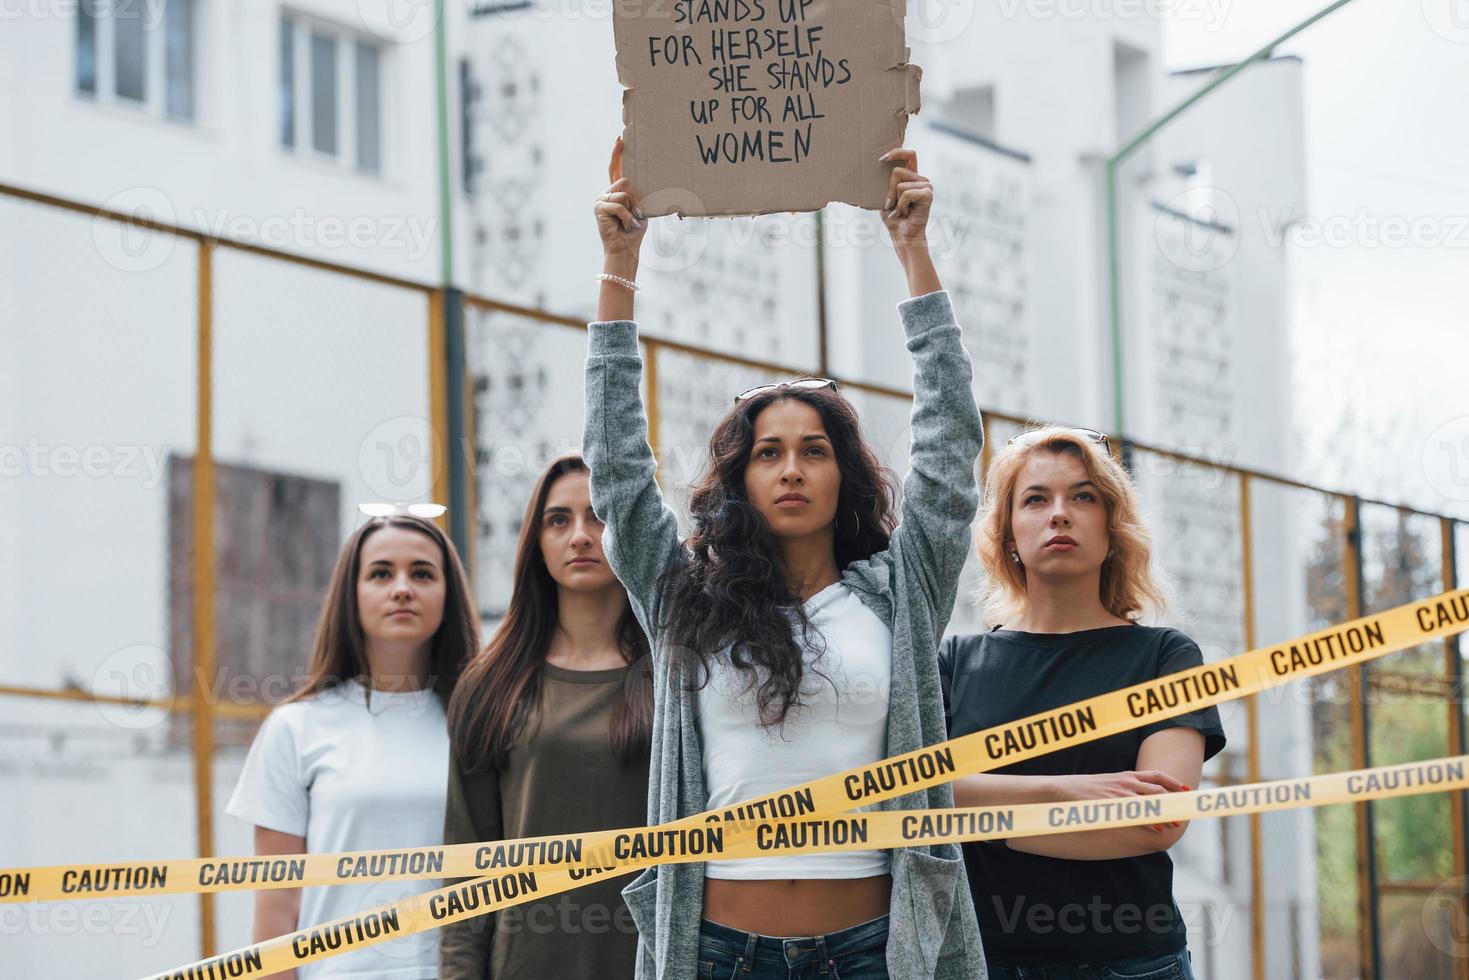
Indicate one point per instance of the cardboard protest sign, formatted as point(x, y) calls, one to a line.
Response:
point(756, 106)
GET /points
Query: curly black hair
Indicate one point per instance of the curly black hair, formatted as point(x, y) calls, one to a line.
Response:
point(732, 592)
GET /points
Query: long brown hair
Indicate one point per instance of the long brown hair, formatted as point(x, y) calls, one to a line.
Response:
point(501, 686)
point(339, 653)
point(729, 592)
point(1130, 587)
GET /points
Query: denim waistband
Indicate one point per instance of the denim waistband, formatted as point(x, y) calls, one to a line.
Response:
point(791, 950)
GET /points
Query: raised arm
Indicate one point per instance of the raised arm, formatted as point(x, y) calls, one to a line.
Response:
point(641, 536)
point(940, 492)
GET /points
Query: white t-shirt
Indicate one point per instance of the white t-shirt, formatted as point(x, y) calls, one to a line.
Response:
point(349, 777)
point(843, 723)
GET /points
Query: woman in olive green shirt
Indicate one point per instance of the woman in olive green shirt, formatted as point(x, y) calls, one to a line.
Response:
point(549, 727)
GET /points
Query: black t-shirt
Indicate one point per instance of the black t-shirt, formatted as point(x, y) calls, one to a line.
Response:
point(1035, 910)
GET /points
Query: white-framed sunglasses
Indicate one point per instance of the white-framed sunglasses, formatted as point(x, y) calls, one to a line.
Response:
point(800, 384)
point(426, 512)
point(1035, 435)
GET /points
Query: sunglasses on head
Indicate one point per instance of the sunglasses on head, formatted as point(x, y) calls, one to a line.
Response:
point(800, 384)
point(1035, 435)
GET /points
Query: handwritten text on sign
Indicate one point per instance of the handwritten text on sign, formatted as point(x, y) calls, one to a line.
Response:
point(750, 106)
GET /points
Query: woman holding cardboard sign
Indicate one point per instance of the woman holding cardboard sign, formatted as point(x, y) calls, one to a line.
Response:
point(794, 634)
point(1067, 560)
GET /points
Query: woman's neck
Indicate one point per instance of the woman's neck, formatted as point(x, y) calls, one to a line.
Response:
point(587, 633)
point(397, 666)
point(809, 563)
point(1067, 606)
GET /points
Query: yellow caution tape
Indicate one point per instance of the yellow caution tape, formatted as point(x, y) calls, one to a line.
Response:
point(798, 835)
point(1346, 645)
point(737, 829)
point(1200, 687)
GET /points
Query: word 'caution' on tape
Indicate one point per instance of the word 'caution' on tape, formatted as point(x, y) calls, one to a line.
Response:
point(738, 827)
point(1330, 649)
point(1082, 721)
point(798, 835)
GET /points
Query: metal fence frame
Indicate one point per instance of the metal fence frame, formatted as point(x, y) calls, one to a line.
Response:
point(452, 423)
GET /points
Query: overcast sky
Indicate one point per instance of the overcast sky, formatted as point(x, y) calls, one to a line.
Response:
point(1382, 325)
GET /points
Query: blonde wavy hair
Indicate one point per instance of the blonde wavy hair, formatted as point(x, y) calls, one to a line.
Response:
point(1130, 588)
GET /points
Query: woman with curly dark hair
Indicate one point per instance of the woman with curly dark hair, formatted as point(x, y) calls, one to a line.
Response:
point(794, 634)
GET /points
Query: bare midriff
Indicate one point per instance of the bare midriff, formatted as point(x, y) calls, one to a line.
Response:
point(796, 907)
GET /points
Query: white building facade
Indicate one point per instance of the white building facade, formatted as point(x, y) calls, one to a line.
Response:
point(1020, 113)
point(311, 127)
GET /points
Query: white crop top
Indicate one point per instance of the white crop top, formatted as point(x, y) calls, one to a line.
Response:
point(842, 724)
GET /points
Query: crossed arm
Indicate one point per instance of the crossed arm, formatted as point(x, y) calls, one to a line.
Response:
point(1167, 761)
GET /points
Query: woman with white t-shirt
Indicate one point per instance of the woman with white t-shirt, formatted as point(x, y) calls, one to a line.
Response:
point(357, 759)
point(794, 634)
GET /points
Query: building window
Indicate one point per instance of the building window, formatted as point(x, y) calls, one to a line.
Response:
point(178, 59)
point(143, 54)
point(286, 97)
point(369, 110)
point(324, 94)
point(267, 607)
point(331, 94)
point(972, 110)
point(86, 49)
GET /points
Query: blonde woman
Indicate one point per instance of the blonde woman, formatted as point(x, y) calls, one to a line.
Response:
point(1067, 564)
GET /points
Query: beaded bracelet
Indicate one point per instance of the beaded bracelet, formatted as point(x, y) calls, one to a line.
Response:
point(625, 283)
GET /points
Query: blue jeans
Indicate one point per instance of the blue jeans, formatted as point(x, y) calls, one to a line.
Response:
point(1169, 966)
point(858, 953)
